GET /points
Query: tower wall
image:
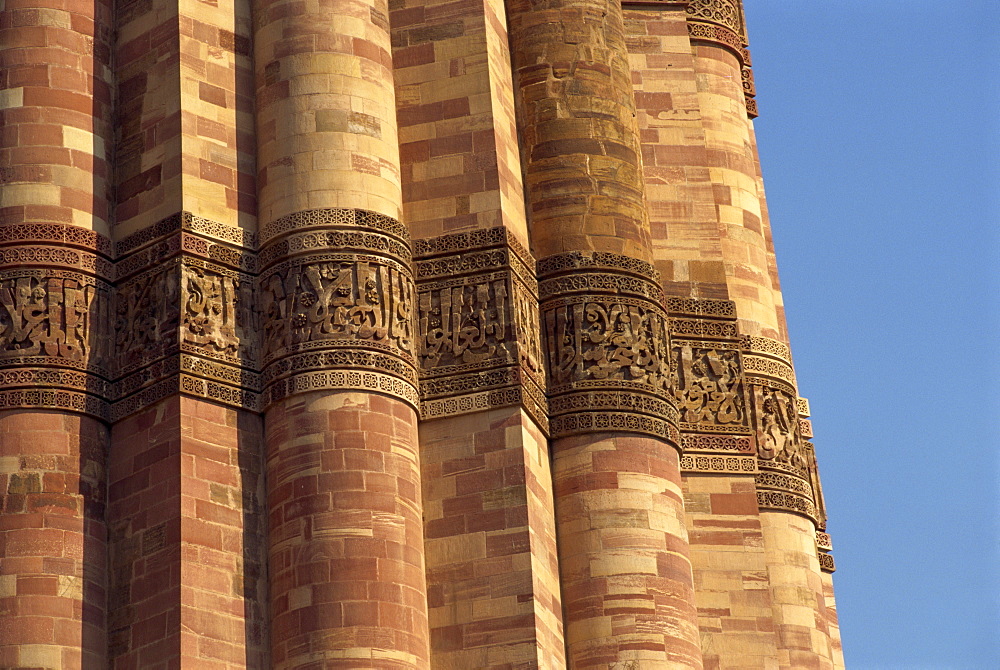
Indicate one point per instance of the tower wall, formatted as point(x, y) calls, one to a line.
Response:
point(424, 334)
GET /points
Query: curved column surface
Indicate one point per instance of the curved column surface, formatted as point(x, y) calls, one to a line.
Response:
point(55, 129)
point(337, 294)
point(731, 156)
point(623, 547)
point(326, 115)
point(578, 130)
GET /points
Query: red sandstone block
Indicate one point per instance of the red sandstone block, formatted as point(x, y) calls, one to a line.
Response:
point(734, 503)
point(27, 630)
point(35, 585)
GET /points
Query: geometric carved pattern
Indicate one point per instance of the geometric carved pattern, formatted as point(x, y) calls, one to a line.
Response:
point(803, 406)
point(786, 502)
point(741, 465)
point(826, 562)
point(734, 444)
point(606, 334)
point(727, 13)
point(477, 325)
point(823, 541)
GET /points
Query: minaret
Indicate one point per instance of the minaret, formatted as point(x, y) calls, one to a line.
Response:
point(751, 488)
point(346, 559)
point(623, 551)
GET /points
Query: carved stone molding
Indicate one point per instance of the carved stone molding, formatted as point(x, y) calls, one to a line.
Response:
point(725, 13)
point(823, 541)
point(782, 501)
point(729, 444)
point(718, 464)
point(478, 325)
point(607, 341)
point(826, 562)
point(803, 406)
point(337, 299)
point(333, 217)
point(704, 307)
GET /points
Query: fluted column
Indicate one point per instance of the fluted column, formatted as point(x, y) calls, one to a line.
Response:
point(336, 290)
point(55, 126)
point(626, 574)
point(786, 482)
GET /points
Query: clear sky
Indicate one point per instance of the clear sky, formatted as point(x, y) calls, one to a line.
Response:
point(880, 147)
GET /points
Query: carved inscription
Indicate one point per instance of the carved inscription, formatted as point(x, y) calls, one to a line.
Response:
point(607, 344)
point(605, 339)
point(338, 300)
point(778, 434)
point(58, 315)
point(478, 326)
point(147, 315)
point(218, 316)
point(465, 325)
point(709, 388)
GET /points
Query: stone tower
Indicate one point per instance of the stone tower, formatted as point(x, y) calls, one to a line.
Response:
point(419, 334)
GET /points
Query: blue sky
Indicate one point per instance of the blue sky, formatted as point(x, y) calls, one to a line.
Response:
point(879, 141)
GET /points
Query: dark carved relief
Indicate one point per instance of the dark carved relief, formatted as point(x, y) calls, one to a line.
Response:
point(219, 315)
point(55, 303)
point(351, 309)
point(337, 300)
point(606, 336)
point(709, 388)
point(147, 314)
point(53, 314)
point(777, 428)
point(478, 326)
point(465, 325)
point(185, 315)
point(615, 339)
point(53, 320)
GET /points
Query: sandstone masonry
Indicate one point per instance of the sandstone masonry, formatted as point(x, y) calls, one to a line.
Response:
point(407, 334)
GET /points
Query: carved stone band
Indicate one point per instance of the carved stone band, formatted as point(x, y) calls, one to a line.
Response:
point(477, 326)
point(607, 342)
point(53, 348)
point(710, 463)
point(337, 304)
